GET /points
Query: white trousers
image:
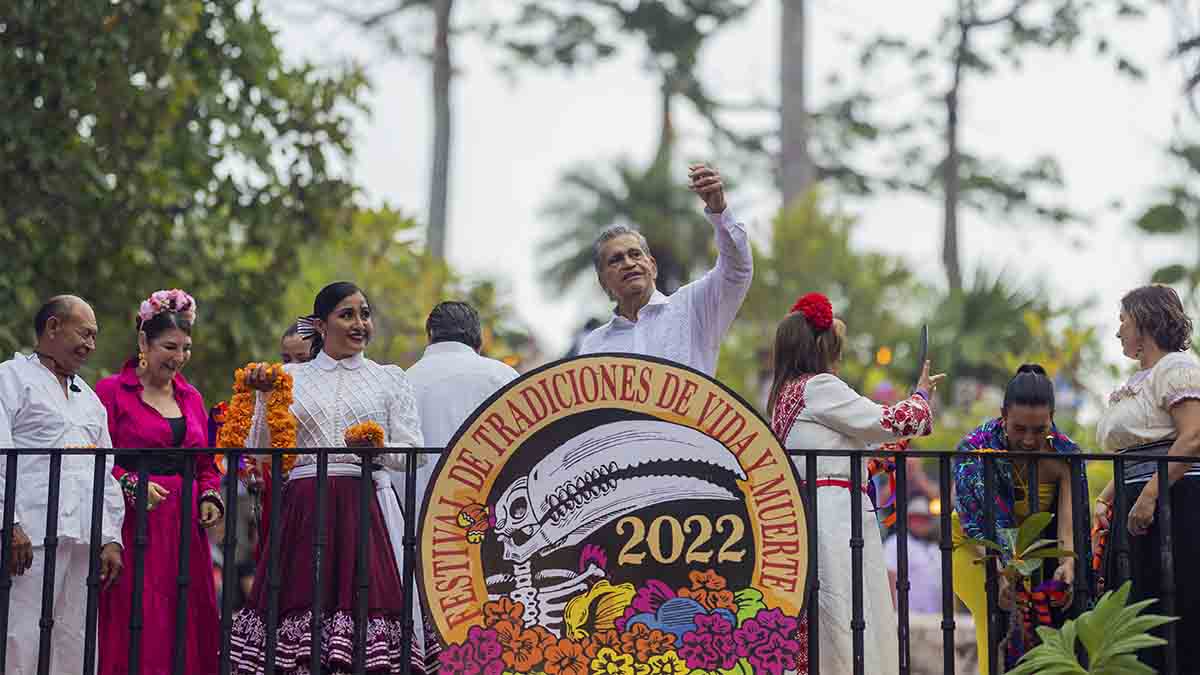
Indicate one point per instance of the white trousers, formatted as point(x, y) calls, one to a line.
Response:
point(70, 608)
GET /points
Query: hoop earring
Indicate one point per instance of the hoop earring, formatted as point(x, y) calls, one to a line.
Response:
point(142, 361)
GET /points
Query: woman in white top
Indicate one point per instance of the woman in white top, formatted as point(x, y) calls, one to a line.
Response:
point(1160, 402)
point(812, 409)
point(336, 390)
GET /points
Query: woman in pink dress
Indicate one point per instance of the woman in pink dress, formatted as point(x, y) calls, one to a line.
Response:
point(151, 405)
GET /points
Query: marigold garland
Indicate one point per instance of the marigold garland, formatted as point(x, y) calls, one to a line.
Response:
point(240, 413)
point(365, 434)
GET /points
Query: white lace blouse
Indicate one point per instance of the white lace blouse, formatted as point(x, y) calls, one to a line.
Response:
point(1140, 411)
point(330, 396)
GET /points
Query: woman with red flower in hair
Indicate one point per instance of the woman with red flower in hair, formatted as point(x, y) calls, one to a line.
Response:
point(811, 408)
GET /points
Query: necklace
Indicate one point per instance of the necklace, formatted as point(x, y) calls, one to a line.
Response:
point(1020, 484)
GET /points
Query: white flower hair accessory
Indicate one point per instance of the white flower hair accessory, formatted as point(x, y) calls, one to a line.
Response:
point(173, 300)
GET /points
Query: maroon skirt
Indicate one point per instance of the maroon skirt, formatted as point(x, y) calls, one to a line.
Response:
point(297, 515)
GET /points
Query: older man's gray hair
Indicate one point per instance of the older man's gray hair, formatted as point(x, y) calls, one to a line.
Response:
point(612, 232)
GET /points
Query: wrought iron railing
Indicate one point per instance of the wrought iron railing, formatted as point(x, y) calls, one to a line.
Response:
point(803, 458)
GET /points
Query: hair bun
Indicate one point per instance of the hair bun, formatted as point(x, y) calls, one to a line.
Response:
point(1035, 368)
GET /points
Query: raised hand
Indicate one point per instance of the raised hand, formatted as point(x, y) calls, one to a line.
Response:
point(706, 182)
point(928, 382)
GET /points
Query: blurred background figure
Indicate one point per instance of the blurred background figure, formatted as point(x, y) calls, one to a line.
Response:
point(924, 559)
point(292, 347)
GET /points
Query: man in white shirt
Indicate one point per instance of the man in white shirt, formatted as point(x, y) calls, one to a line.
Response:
point(450, 380)
point(43, 404)
point(688, 326)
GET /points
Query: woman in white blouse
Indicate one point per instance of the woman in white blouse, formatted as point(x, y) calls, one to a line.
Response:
point(1160, 402)
point(334, 391)
point(811, 409)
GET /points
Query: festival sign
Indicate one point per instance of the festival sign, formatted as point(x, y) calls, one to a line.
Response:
point(615, 514)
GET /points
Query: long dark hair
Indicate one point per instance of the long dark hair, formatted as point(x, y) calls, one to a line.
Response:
point(800, 350)
point(1030, 386)
point(324, 304)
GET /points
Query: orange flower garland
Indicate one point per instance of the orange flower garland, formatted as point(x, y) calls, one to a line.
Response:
point(240, 414)
point(365, 434)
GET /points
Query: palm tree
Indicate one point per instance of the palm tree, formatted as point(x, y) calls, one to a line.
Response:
point(666, 214)
point(649, 199)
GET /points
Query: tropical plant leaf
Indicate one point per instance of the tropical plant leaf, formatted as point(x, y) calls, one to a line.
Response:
point(1111, 632)
point(1171, 274)
point(984, 543)
point(1038, 544)
point(1125, 664)
point(1031, 529)
point(1008, 539)
point(1048, 553)
point(1027, 567)
point(1163, 219)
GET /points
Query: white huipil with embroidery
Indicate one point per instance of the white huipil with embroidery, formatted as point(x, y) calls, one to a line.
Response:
point(1140, 411)
point(328, 397)
point(829, 415)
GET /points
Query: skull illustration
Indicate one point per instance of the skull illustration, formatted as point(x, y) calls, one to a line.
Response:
point(605, 473)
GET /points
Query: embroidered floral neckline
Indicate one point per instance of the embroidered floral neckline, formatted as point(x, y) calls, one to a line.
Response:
point(1130, 388)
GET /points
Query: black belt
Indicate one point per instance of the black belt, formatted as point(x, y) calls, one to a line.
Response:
point(1139, 470)
point(157, 464)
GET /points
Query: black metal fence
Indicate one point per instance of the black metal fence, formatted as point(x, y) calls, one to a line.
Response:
point(807, 458)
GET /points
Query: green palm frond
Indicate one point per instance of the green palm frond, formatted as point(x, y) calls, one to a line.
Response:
point(1111, 633)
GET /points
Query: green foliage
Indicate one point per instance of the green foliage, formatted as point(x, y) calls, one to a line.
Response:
point(923, 150)
point(1021, 549)
point(810, 250)
point(571, 33)
point(163, 144)
point(668, 216)
point(1176, 215)
point(1111, 633)
point(990, 328)
point(381, 252)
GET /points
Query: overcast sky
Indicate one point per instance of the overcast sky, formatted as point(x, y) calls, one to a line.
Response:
point(512, 140)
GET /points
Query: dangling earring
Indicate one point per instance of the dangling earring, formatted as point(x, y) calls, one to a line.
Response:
point(141, 361)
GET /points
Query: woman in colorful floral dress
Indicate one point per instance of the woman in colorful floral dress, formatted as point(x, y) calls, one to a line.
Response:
point(1026, 423)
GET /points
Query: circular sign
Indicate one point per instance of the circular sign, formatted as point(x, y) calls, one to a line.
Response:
point(614, 514)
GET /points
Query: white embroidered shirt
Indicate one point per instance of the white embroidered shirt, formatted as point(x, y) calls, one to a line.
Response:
point(35, 413)
point(1140, 411)
point(330, 396)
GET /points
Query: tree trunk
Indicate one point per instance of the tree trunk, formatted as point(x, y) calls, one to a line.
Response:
point(440, 177)
point(951, 182)
point(671, 269)
point(666, 134)
point(796, 170)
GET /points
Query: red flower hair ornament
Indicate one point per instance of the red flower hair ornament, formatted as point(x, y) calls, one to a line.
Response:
point(817, 310)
